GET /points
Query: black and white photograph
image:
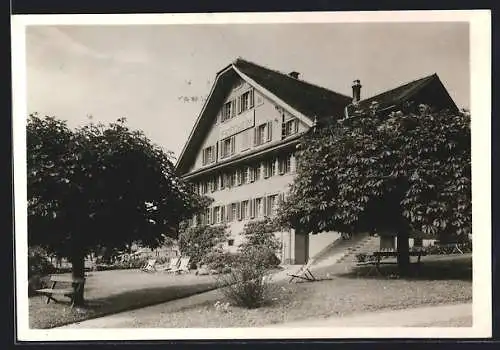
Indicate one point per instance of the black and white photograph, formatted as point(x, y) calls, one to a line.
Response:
point(238, 176)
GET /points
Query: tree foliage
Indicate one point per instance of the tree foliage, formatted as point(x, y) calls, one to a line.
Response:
point(100, 186)
point(385, 173)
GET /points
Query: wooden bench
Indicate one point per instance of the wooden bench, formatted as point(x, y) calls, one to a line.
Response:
point(68, 291)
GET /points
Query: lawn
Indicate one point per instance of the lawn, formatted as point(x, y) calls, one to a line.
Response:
point(108, 292)
point(338, 292)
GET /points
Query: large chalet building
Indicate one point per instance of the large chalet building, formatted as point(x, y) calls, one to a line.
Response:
point(241, 150)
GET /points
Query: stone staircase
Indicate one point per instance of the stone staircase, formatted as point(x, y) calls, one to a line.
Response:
point(340, 250)
point(368, 245)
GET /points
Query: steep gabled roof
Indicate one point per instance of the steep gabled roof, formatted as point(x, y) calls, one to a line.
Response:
point(309, 99)
point(306, 100)
point(406, 92)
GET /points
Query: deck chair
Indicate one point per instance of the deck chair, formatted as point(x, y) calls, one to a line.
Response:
point(183, 266)
point(303, 273)
point(150, 266)
point(172, 265)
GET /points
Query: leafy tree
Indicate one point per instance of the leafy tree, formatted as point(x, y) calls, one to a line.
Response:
point(198, 241)
point(100, 186)
point(405, 173)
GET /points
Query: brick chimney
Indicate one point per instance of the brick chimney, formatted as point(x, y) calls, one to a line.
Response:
point(294, 74)
point(356, 91)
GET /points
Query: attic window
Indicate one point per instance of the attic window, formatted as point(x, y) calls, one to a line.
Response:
point(226, 111)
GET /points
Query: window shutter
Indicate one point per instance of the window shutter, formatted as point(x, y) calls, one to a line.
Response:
point(203, 160)
point(221, 149)
point(233, 108)
point(281, 166)
point(238, 102)
point(222, 214)
point(264, 205)
point(250, 208)
point(269, 131)
point(255, 136)
point(233, 140)
point(296, 126)
point(283, 130)
point(228, 213)
point(216, 151)
point(266, 170)
point(238, 210)
point(251, 176)
point(239, 177)
point(251, 98)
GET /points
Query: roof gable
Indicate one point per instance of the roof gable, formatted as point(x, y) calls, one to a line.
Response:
point(307, 101)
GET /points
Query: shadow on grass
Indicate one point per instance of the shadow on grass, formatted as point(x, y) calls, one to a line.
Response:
point(459, 268)
point(123, 301)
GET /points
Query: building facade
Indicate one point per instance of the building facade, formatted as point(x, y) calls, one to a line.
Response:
point(241, 151)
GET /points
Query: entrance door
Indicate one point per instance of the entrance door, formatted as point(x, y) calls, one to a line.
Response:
point(301, 248)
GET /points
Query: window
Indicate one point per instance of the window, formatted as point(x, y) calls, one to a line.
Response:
point(245, 101)
point(204, 187)
point(289, 128)
point(227, 147)
point(285, 164)
point(226, 111)
point(258, 207)
point(208, 217)
point(217, 212)
point(244, 210)
point(208, 155)
point(231, 179)
point(230, 242)
point(244, 175)
point(257, 172)
point(234, 211)
point(213, 184)
point(263, 133)
point(271, 205)
point(269, 169)
point(222, 181)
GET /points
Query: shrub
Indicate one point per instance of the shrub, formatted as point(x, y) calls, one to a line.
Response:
point(261, 233)
point(219, 260)
point(197, 242)
point(249, 282)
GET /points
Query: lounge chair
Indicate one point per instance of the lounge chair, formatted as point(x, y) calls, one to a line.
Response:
point(183, 266)
point(303, 273)
point(150, 266)
point(172, 265)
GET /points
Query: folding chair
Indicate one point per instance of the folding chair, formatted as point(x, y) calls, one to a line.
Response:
point(303, 273)
point(173, 264)
point(183, 266)
point(150, 266)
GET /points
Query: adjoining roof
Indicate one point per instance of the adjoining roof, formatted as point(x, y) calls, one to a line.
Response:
point(404, 93)
point(309, 99)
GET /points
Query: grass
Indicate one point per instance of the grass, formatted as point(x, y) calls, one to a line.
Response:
point(338, 292)
point(109, 292)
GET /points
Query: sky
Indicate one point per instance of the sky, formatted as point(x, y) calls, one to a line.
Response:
point(156, 75)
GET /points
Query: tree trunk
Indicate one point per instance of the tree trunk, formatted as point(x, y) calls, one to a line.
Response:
point(403, 252)
point(78, 272)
